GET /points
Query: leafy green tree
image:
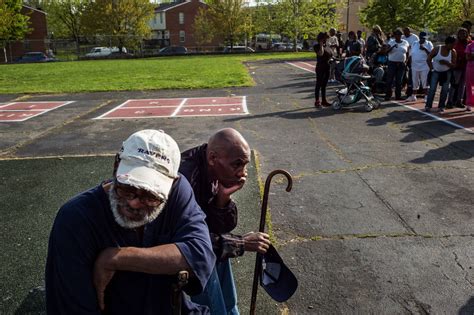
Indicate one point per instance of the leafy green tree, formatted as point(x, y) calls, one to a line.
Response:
point(13, 24)
point(431, 15)
point(298, 17)
point(227, 18)
point(120, 22)
point(65, 18)
point(203, 31)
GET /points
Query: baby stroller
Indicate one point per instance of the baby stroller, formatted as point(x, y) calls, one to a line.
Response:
point(350, 72)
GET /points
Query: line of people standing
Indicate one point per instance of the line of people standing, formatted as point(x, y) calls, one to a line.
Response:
point(410, 60)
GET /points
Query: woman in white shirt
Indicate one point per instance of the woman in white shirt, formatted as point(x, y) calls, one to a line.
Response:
point(397, 59)
point(441, 60)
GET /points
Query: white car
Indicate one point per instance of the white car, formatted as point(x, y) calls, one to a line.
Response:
point(104, 51)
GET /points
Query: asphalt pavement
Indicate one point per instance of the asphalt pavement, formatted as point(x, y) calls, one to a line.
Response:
point(379, 220)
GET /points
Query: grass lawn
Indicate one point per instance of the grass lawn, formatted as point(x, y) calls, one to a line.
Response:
point(188, 72)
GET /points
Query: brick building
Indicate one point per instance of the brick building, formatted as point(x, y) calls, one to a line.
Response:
point(36, 40)
point(173, 23)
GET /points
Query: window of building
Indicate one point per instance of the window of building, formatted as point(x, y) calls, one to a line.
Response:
point(181, 18)
point(167, 34)
point(161, 17)
point(182, 36)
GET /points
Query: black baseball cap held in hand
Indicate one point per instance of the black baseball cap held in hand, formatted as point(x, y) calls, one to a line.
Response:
point(279, 282)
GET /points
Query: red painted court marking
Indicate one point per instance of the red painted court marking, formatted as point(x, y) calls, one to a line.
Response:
point(16, 115)
point(209, 110)
point(141, 112)
point(303, 65)
point(153, 103)
point(178, 107)
point(21, 111)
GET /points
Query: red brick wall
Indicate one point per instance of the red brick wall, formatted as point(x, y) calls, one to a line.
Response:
point(190, 10)
point(35, 40)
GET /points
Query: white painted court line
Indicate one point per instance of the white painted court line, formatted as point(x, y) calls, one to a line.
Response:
point(292, 64)
point(113, 109)
point(446, 121)
point(244, 104)
point(178, 108)
point(32, 110)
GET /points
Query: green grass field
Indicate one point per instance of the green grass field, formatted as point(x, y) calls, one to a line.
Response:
point(187, 72)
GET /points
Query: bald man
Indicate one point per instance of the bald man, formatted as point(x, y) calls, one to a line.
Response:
point(216, 170)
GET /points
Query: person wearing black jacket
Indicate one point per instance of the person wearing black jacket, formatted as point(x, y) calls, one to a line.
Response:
point(216, 170)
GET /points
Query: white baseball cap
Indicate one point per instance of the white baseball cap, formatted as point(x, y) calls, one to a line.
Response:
point(149, 159)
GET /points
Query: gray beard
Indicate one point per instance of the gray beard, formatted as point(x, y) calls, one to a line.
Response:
point(123, 221)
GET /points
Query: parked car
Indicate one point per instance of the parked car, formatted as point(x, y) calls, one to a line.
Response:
point(104, 51)
point(279, 46)
point(35, 56)
point(238, 49)
point(173, 50)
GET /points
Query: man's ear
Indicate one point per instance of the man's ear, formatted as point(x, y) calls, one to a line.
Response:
point(116, 164)
point(211, 158)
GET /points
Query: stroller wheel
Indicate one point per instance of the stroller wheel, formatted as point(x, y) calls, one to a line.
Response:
point(374, 102)
point(368, 107)
point(336, 104)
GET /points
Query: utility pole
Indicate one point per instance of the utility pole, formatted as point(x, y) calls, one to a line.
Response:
point(347, 15)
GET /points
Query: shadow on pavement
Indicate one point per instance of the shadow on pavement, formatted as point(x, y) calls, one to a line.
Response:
point(468, 308)
point(454, 151)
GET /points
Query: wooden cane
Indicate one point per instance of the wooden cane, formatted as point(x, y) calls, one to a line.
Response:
point(263, 215)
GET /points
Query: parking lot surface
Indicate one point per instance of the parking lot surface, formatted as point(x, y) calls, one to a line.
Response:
point(379, 219)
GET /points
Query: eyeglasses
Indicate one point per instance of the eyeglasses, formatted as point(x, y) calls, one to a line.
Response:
point(129, 193)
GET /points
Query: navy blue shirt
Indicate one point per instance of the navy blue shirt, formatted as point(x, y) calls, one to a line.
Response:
point(85, 226)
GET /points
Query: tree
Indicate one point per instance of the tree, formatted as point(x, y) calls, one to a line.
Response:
point(120, 22)
point(227, 18)
point(65, 18)
point(13, 24)
point(203, 31)
point(297, 17)
point(431, 15)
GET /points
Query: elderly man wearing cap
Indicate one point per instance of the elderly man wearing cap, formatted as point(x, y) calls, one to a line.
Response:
point(419, 67)
point(216, 170)
point(118, 246)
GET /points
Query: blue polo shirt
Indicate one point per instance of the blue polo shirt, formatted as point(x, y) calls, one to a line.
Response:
point(85, 226)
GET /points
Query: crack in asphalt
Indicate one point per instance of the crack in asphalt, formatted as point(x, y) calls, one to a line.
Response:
point(331, 145)
point(466, 274)
point(380, 165)
point(387, 205)
point(342, 237)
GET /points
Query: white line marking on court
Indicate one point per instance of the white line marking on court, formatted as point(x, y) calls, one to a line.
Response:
point(438, 118)
point(244, 104)
point(179, 107)
point(292, 64)
point(113, 109)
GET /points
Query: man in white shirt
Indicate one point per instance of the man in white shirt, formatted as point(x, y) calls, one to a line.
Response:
point(419, 67)
point(410, 38)
point(333, 43)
